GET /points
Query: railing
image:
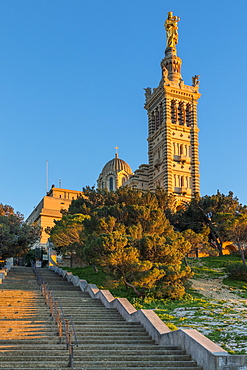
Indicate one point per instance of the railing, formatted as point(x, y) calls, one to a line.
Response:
point(64, 323)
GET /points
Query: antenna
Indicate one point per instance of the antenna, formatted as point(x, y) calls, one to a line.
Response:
point(46, 176)
point(60, 183)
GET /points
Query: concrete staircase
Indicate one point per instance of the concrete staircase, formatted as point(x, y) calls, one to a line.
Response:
point(106, 341)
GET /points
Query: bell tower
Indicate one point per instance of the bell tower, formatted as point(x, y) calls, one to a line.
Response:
point(172, 125)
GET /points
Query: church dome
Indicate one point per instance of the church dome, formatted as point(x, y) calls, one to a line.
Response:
point(114, 174)
point(115, 165)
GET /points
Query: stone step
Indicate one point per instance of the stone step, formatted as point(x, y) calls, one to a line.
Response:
point(54, 367)
point(118, 340)
point(113, 334)
point(91, 340)
point(22, 324)
point(78, 317)
point(141, 367)
point(8, 352)
point(104, 348)
point(98, 364)
point(109, 311)
point(135, 364)
point(40, 341)
point(106, 340)
point(75, 310)
point(50, 356)
point(113, 325)
point(28, 330)
point(107, 331)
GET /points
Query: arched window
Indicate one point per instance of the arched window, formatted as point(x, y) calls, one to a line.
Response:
point(188, 115)
point(157, 118)
point(181, 113)
point(173, 111)
point(111, 183)
point(152, 121)
point(124, 179)
point(160, 114)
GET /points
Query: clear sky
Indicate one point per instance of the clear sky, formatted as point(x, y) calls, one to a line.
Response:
point(71, 89)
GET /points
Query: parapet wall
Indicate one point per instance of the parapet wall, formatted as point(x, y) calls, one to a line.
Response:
point(207, 354)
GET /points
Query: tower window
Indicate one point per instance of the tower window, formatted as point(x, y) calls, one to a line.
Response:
point(188, 115)
point(111, 183)
point(180, 114)
point(173, 111)
point(157, 119)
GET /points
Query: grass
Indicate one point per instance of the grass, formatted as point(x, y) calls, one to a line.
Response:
point(239, 287)
point(212, 267)
point(87, 273)
point(102, 280)
point(220, 261)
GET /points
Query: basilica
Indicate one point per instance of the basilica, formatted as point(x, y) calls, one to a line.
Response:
point(173, 162)
point(172, 143)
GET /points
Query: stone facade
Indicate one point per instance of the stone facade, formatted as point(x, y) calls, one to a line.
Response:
point(139, 179)
point(173, 131)
point(50, 209)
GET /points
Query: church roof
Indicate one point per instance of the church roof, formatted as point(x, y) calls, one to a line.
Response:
point(115, 165)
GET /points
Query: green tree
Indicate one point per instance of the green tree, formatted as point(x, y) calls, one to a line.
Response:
point(199, 242)
point(67, 235)
point(237, 232)
point(212, 212)
point(129, 234)
point(16, 236)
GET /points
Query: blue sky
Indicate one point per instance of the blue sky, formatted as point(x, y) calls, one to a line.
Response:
point(72, 74)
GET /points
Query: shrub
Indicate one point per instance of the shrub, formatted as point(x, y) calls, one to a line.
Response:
point(237, 271)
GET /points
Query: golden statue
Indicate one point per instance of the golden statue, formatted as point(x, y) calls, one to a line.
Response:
point(171, 28)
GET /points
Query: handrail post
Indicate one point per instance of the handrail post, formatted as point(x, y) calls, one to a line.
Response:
point(60, 329)
point(71, 359)
point(67, 332)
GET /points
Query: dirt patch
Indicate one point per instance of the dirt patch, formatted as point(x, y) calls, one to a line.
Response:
point(213, 289)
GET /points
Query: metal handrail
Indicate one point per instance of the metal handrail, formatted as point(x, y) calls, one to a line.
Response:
point(69, 330)
point(64, 323)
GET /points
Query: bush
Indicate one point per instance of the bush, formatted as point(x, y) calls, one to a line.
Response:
point(237, 271)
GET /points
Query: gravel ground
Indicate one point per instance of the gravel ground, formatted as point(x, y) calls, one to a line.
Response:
point(223, 319)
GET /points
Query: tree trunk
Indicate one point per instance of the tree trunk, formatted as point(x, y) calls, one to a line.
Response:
point(139, 294)
point(241, 251)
